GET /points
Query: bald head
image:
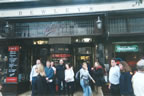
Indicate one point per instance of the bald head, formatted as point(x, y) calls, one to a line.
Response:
point(61, 62)
point(140, 65)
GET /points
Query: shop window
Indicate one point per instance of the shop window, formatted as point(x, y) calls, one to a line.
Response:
point(84, 50)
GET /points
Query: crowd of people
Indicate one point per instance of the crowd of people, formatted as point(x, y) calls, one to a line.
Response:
point(57, 80)
point(125, 82)
point(51, 80)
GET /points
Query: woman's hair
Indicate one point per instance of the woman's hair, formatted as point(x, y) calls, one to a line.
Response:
point(84, 63)
point(69, 65)
point(126, 67)
point(41, 70)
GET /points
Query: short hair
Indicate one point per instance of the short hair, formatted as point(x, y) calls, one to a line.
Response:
point(114, 59)
point(140, 65)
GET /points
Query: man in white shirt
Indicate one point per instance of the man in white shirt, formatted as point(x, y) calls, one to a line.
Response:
point(138, 79)
point(114, 76)
point(33, 76)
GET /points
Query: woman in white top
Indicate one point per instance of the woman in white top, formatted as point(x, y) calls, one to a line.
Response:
point(69, 79)
point(52, 65)
point(84, 80)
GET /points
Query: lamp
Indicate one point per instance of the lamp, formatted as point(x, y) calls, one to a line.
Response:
point(99, 23)
point(7, 24)
point(7, 27)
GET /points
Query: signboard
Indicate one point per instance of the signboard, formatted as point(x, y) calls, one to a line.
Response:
point(13, 61)
point(130, 48)
point(11, 79)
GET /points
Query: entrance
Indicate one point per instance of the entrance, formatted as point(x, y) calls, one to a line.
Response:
point(53, 52)
point(84, 54)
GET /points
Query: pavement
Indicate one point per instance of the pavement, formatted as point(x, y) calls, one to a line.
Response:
point(79, 93)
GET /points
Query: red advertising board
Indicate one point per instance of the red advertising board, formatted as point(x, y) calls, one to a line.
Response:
point(61, 55)
point(11, 79)
point(13, 48)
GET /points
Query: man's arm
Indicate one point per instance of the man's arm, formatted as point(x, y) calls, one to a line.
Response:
point(31, 74)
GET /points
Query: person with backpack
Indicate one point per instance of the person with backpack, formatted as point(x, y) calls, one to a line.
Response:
point(84, 80)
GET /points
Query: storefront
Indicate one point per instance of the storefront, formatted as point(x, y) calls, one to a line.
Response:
point(126, 37)
point(130, 52)
point(73, 39)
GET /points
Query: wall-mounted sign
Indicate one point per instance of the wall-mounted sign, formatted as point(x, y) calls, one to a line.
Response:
point(129, 48)
point(13, 61)
point(69, 9)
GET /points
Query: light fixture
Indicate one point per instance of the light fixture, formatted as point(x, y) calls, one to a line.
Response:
point(87, 40)
point(7, 27)
point(99, 23)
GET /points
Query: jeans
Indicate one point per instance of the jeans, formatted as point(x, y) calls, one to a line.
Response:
point(70, 88)
point(61, 87)
point(115, 90)
point(50, 89)
point(34, 87)
point(86, 89)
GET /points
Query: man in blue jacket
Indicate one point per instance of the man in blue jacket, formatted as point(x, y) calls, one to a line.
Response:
point(49, 77)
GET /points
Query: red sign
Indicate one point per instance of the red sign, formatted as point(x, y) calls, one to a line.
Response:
point(61, 55)
point(11, 79)
point(13, 48)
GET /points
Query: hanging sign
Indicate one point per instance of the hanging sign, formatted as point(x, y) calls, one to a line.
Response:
point(130, 48)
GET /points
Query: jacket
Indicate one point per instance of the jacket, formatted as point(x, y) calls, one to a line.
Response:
point(98, 75)
point(125, 83)
point(41, 85)
point(60, 74)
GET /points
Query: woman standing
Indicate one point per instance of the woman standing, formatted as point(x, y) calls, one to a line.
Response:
point(41, 81)
point(53, 67)
point(98, 75)
point(69, 79)
point(84, 80)
point(125, 79)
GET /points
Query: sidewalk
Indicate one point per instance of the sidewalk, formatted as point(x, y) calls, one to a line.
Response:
point(79, 93)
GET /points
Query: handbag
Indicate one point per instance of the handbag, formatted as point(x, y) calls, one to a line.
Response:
point(86, 82)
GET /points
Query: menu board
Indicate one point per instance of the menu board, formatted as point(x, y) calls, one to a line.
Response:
point(60, 52)
point(13, 60)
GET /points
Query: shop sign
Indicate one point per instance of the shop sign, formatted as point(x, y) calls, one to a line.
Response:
point(11, 79)
point(65, 10)
point(13, 63)
point(131, 48)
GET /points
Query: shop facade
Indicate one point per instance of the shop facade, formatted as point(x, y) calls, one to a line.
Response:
point(126, 37)
point(72, 35)
point(74, 39)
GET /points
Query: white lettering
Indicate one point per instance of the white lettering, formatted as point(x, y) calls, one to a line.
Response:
point(43, 11)
point(20, 12)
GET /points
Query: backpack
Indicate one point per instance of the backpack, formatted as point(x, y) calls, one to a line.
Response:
point(77, 76)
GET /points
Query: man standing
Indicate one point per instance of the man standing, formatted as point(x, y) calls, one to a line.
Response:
point(60, 76)
point(114, 76)
point(49, 77)
point(138, 79)
point(33, 76)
